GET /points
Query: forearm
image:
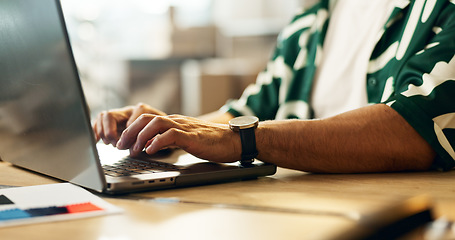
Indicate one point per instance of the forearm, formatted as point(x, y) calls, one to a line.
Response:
point(370, 139)
point(217, 117)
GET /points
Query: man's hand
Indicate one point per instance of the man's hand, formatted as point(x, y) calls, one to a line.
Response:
point(206, 140)
point(110, 124)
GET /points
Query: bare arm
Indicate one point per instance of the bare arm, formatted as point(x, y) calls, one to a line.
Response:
point(370, 139)
point(217, 117)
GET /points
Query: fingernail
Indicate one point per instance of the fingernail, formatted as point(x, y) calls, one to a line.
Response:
point(149, 149)
point(119, 144)
point(137, 148)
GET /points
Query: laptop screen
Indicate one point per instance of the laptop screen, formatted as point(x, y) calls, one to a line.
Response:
point(43, 118)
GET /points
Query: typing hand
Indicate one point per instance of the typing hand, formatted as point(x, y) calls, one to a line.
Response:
point(206, 140)
point(109, 125)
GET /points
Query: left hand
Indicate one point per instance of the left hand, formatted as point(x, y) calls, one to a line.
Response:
point(206, 140)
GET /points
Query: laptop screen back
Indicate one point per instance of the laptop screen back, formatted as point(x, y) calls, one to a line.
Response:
point(43, 118)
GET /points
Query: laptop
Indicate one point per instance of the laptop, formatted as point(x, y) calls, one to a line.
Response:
point(44, 119)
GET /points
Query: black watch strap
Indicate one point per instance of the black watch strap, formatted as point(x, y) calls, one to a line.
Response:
point(248, 139)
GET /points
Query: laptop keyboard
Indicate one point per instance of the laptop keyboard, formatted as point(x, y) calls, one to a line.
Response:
point(131, 166)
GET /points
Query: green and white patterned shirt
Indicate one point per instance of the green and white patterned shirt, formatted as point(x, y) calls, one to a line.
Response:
point(411, 69)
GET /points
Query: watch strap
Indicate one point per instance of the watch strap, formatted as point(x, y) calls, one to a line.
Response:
point(248, 139)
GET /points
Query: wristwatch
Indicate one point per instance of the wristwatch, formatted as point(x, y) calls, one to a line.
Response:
point(245, 126)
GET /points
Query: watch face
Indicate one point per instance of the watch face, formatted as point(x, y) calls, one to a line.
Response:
point(243, 122)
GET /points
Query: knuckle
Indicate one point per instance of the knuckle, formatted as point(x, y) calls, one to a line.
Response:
point(109, 114)
point(141, 117)
point(140, 105)
point(141, 136)
point(160, 119)
point(142, 108)
point(174, 132)
point(145, 117)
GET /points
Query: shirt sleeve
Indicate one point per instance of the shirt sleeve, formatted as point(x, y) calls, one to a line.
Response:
point(259, 99)
point(264, 98)
point(425, 90)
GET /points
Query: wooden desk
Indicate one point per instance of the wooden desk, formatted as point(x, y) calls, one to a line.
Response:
point(288, 205)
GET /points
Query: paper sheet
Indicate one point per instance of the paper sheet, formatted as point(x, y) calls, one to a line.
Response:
point(51, 202)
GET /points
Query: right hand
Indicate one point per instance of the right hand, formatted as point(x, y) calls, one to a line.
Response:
point(109, 125)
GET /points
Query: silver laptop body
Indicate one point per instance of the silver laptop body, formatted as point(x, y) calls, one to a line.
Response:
point(44, 119)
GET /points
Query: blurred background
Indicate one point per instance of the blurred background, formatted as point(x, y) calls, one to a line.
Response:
point(180, 56)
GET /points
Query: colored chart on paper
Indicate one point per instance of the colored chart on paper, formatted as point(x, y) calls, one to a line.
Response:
point(16, 213)
point(52, 202)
